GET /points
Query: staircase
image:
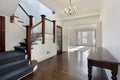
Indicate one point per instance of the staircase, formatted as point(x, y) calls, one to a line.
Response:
point(14, 65)
point(22, 47)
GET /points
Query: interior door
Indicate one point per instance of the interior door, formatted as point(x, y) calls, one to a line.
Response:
point(2, 34)
point(59, 39)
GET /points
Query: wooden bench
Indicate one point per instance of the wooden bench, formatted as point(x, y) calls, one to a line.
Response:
point(100, 57)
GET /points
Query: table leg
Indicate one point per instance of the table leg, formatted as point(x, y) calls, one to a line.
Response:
point(114, 76)
point(114, 72)
point(89, 72)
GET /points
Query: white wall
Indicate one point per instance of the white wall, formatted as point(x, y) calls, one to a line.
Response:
point(110, 20)
point(58, 19)
point(65, 38)
point(15, 33)
point(7, 7)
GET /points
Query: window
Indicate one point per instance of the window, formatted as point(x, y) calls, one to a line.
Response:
point(86, 38)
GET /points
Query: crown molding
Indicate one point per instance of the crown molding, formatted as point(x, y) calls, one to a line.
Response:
point(81, 16)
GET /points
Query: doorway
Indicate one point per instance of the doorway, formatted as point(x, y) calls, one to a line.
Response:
point(2, 33)
point(59, 39)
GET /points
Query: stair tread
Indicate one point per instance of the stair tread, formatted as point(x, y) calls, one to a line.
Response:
point(32, 40)
point(26, 43)
point(22, 42)
point(16, 16)
point(16, 72)
point(8, 54)
point(22, 47)
point(20, 21)
point(13, 63)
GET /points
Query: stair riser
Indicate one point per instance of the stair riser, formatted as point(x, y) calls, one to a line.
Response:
point(20, 75)
point(19, 49)
point(10, 68)
point(33, 40)
point(13, 59)
point(23, 44)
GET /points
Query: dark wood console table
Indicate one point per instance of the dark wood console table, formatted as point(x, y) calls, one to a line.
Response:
point(100, 57)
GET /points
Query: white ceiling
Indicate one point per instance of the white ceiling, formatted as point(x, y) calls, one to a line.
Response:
point(8, 7)
point(82, 5)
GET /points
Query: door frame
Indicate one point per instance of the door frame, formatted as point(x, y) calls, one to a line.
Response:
point(58, 52)
point(3, 33)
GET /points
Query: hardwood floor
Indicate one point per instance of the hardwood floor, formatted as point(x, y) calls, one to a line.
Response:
point(66, 66)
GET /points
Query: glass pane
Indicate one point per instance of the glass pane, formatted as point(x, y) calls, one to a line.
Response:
point(85, 37)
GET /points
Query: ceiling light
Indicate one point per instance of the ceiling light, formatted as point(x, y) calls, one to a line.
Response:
point(71, 10)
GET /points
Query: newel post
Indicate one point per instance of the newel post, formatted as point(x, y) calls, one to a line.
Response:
point(28, 37)
point(54, 24)
point(43, 28)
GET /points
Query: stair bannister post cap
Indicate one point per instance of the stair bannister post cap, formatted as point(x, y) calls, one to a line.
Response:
point(30, 16)
point(27, 26)
point(43, 15)
point(54, 20)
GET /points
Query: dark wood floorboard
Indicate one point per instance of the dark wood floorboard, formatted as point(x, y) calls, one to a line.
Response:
point(66, 66)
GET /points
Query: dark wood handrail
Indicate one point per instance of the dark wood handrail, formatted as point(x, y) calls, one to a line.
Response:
point(24, 10)
point(49, 20)
point(37, 24)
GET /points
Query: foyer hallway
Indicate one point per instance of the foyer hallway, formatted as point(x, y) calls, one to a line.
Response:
point(66, 66)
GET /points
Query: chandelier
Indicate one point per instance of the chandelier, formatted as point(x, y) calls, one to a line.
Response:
point(71, 10)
